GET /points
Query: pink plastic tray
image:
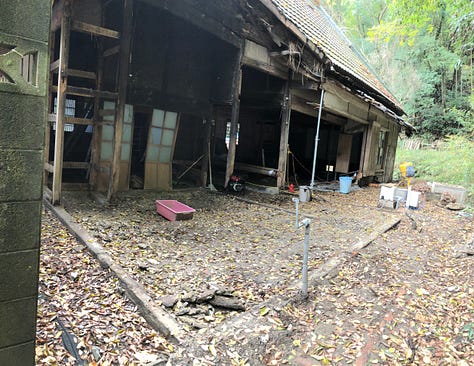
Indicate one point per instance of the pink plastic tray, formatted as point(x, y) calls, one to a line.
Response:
point(174, 210)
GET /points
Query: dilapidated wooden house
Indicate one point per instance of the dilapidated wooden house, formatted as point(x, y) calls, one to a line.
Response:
point(142, 91)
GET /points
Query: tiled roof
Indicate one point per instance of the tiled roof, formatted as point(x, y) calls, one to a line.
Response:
point(316, 25)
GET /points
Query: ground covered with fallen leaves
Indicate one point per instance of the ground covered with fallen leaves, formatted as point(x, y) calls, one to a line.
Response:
point(81, 309)
point(231, 244)
point(407, 298)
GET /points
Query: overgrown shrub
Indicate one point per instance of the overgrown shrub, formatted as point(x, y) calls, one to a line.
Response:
point(452, 162)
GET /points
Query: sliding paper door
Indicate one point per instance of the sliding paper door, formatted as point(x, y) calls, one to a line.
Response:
point(160, 149)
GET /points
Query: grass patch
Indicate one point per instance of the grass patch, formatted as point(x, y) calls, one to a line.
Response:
point(452, 163)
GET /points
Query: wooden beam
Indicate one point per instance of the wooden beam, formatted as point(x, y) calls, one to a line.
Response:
point(73, 72)
point(94, 30)
point(124, 60)
point(91, 93)
point(61, 104)
point(88, 93)
point(236, 88)
point(54, 66)
point(274, 70)
point(72, 120)
point(76, 165)
point(271, 172)
point(79, 121)
point(191, 11)
point(111, 51)
point(284, 132)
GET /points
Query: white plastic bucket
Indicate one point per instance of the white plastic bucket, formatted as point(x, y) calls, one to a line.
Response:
point(305, 194)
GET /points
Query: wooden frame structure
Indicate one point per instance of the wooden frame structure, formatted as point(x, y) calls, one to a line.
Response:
point(64, 22)
point(267, 75)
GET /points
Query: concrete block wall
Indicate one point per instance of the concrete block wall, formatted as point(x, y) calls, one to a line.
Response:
point(24, 30)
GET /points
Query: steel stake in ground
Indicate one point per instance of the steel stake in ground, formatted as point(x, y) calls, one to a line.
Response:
point(307, 225)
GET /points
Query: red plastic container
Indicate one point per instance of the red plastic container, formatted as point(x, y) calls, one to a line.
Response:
point(174, 210)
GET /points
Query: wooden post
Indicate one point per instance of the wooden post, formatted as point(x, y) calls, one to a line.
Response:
point(61, 102)
point(285, 131)
point(97, 129)
point(236, 86)
point(206, 149)
point(122, 94)
point(47, 131)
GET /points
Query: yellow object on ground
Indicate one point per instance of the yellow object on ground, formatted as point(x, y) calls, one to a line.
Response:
point(403, 171)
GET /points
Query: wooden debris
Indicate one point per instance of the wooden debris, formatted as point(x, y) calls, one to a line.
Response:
point(414, 225)
point(231, 303)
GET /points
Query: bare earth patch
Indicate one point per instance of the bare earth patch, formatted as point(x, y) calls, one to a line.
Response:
point(404, 299)
point(251, 251)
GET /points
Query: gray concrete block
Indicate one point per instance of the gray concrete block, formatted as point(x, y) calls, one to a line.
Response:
point(18, 275)
point(10, 64)
point(21, 121)
point(26, 18)
point(23, 354)
point(20, 175)
point(18, 321)
point(19, 226)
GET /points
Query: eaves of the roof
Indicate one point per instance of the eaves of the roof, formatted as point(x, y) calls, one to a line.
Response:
point(318, 28)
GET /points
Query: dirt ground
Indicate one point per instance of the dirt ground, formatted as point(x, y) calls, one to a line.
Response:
point(406, 298)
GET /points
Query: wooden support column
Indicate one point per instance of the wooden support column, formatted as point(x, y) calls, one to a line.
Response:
point(124, 60)
point(97, 128)
point(47, 130)
point(285, 131)
point(61, 102)
point(206, 148)
point(236, 87)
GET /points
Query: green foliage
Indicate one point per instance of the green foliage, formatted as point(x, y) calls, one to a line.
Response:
point(423, 50)
point(452, 163)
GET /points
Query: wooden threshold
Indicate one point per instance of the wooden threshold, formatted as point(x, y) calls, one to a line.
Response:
point(94, 30)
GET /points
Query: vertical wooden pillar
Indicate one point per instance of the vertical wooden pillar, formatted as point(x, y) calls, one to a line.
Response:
point(284, 133)
point(97, 129)
point(61, 102)
point(236, 87)
point(206, 148)
point(364, 150)
point(47, 131)
point(125, 41)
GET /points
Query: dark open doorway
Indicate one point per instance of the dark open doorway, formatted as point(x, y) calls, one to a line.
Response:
point(140, 138)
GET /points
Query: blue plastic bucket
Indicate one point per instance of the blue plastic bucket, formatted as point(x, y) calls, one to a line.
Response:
point(345, 184)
